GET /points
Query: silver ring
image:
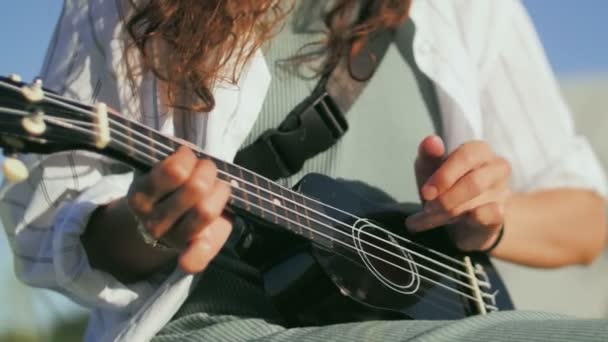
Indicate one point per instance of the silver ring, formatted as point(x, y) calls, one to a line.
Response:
point(145, 234)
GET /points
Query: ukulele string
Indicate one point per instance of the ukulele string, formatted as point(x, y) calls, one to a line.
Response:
point(432, 297)
point(85, 131)
point(286, 218)
point(154, 160)
point(64, 102)
point(61, 102)
point(170, 150)
point(403, 249)
point(241, 169)
point(373, 245)
point(407, 241)
point(80, 110)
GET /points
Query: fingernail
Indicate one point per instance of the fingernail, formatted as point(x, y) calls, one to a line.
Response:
point(429, 192)
point(436, 138)
point(205, 245)
point(432, 207)
point(148, 229)
point(410, 223)
point(208, 233)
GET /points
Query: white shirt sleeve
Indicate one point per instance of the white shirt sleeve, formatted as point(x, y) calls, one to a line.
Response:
point(45, 215)
point(525, 117)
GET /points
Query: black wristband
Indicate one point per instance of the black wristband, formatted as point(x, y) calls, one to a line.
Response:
point(496, 242)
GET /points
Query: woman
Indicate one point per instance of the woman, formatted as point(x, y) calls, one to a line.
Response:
point(513, 175)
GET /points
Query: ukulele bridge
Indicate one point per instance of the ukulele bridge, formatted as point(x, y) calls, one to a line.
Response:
point(485, 301)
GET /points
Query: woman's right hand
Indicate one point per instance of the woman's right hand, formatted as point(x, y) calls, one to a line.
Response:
point(180, 202)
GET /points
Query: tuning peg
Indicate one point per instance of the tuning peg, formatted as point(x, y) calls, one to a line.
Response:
point(14, 170)
point(34, 123)
point(33, 92)
point(15, 78)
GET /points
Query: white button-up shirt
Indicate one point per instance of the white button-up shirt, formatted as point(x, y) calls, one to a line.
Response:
point(493, 83)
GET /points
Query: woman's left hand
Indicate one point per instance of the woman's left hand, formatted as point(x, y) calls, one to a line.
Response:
point(466, 190)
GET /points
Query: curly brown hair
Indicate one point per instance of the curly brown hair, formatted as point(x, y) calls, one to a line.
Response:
point(207, 41)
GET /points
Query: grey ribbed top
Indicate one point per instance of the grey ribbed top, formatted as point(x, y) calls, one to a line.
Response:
point(395, 111)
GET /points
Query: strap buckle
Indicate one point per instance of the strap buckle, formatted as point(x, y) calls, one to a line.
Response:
point(312, 127)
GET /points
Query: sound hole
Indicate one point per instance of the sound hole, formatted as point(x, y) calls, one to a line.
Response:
point(385, 258)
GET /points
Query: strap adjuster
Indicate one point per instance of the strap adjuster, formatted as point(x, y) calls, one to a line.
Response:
point(311, 128)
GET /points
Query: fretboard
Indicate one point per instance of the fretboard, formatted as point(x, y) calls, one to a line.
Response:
point(251, 193)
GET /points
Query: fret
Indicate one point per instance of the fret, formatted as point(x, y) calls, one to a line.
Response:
point(150, 143)
point(130, 149)
point(171, 143)
point(322, 227)
point(228, 179)
point(258, 192)
point(280, 203)
point(247, 206)
point(306, 209)
point(290, 209)
point(229, 172)
point(272, 202)
point(243, 185)
point(238, 188)
point(295, 212)
point(123, 131)
point(140, 139)
point(159, 144)
point(239, 192)
point(115, 127)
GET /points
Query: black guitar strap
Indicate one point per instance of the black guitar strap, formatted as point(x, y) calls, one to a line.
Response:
point(318, 122)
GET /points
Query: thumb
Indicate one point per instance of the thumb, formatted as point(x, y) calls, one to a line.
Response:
point(430, 156)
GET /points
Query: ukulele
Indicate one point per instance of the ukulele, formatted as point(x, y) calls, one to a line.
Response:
point(340, 249)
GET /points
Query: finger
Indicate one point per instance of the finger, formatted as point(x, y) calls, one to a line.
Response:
point(164, 178)
point(498, 193)
point(478, 229)
point(198, 217)
point(205, 247)
point(430, 156)
point(421, 222)
point(431, 150)
point(168, 210)
point(465, 158)
point(472, 185)
point(488, 215)
point(435, 216)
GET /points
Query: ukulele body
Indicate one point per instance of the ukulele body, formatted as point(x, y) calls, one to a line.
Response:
point(365, 273)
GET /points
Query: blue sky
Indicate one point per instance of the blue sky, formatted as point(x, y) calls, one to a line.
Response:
point(573, 32)
point(25, 30)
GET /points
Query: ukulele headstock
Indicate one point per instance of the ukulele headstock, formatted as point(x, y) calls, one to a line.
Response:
point(34, 120)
